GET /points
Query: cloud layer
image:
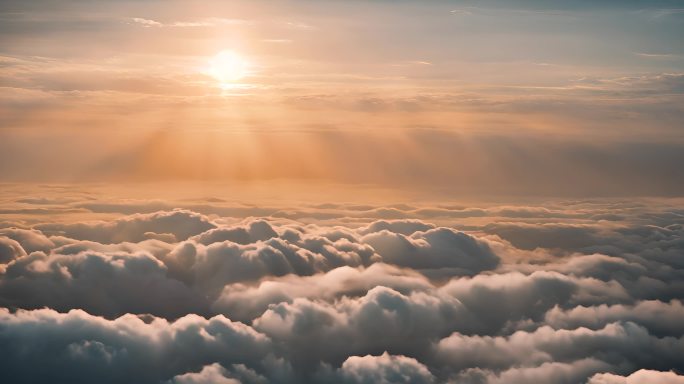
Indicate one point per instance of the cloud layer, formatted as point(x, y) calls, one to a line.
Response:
point(525, 294)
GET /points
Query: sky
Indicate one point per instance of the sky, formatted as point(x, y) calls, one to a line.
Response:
point(550, 98)
point(361, 191)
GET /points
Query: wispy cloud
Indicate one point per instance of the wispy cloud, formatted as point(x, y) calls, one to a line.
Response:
point(658, 55)
point(462, 12)
point(299, 25)
point(146, 22)
point(665, 12)
point(277, 41)
point(207, 22)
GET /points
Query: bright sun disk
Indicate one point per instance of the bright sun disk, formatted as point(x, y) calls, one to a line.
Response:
point(228, 67)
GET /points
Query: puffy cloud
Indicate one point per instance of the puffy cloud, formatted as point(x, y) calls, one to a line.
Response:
point(109, 284)
point(643, 278)
point(657, 242)
point(556, 372)
point(382, 320)
point(640, 376)
point(617, 344)
point(222, 263)
point(551, 235)
point(30, 240)
point(245, 302)
point(437, 251)
point(256, 231)
point(343, 298)
point(210, 374)
point(521, 297)
point(76, 347)
point(383, 369)
point(213, 266)
point(180, 223)
point(404, 227)
point(9, 250)
point(659, 317)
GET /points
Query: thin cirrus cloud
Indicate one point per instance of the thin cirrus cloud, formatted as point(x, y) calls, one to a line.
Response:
point(208, 22)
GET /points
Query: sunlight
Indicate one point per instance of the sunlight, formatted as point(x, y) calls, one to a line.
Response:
point(228, 67)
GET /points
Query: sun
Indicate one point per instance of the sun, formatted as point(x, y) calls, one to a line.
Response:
point(228, 67)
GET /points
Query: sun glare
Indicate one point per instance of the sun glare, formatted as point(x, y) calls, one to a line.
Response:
point(228, 67)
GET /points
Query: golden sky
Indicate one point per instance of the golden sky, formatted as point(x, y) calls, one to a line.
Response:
point(522, 97)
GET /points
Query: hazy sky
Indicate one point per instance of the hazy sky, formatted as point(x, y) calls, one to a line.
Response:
point(508, 97)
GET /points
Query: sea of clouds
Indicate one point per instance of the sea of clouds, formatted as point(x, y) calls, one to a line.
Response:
point(583, 291)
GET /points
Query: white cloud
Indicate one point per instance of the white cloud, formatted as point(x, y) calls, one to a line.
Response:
point(640, 376)
point(347, 299)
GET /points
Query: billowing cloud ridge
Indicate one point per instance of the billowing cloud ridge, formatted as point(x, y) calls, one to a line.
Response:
point(183, 297)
